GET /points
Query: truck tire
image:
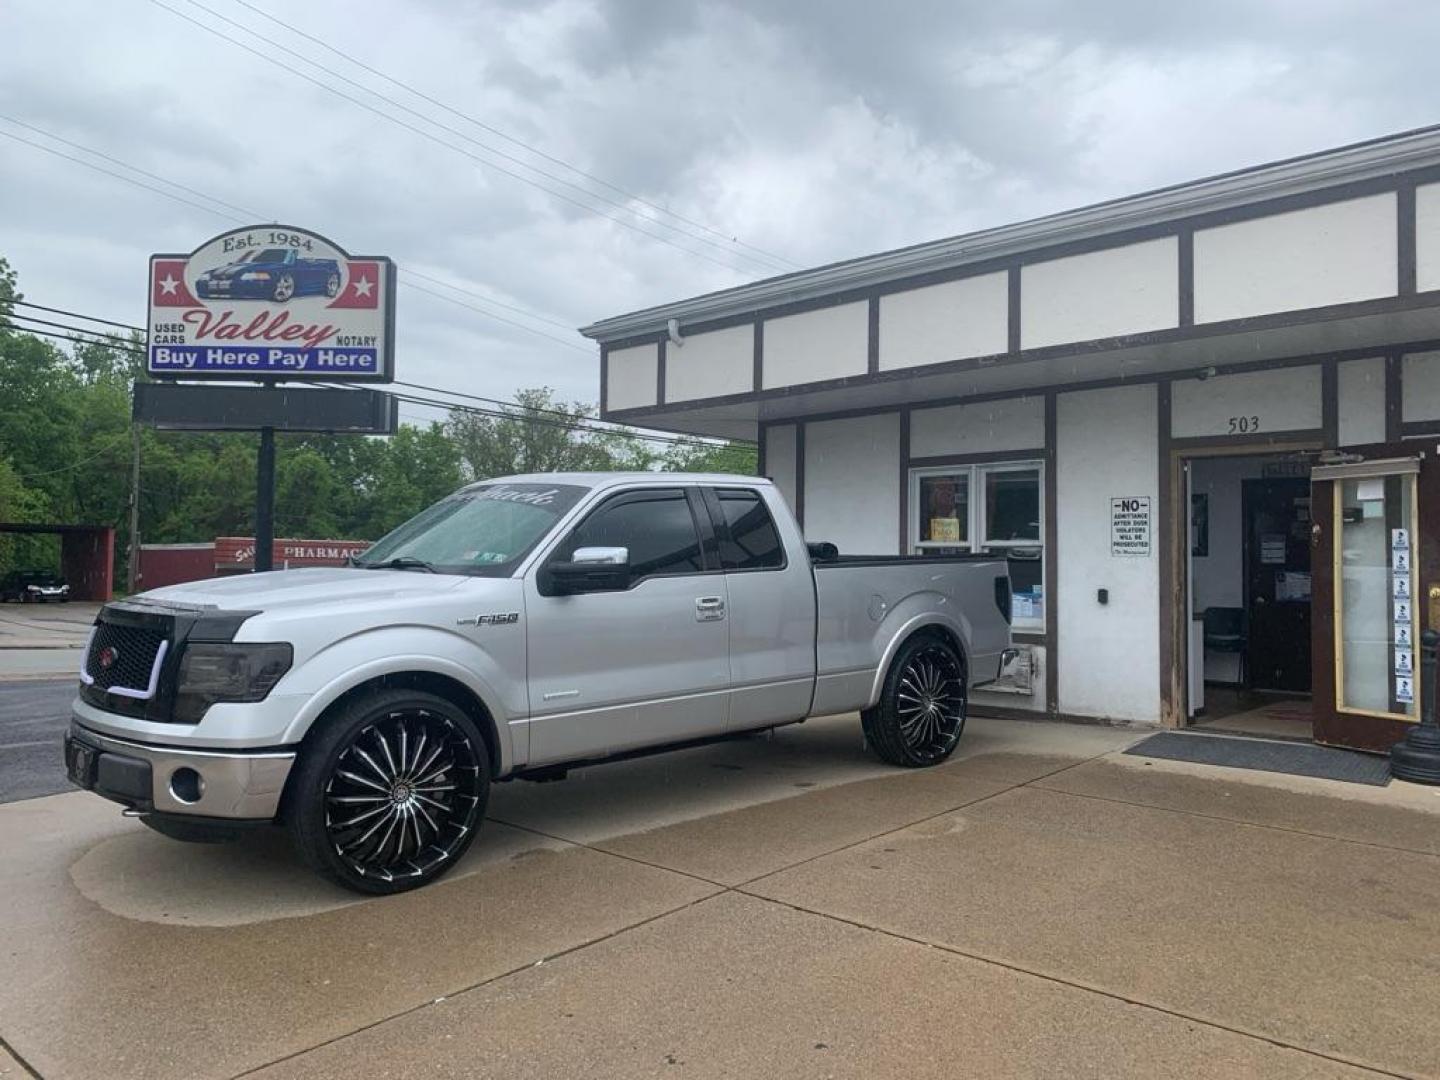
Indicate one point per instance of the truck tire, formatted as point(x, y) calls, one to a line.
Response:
point(389, 792)
point(920, 716)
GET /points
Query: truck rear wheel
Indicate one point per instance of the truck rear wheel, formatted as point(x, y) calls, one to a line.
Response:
point(390, 792)
point(921, 712)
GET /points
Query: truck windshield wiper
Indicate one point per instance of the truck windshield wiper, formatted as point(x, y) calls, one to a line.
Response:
point(400, 562)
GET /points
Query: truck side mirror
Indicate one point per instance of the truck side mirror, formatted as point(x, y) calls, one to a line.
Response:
point(590, 569)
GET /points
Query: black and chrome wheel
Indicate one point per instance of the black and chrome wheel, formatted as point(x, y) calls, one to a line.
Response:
point(332, 285)
point(391, 792)
point(284, 289)
point(920, 716)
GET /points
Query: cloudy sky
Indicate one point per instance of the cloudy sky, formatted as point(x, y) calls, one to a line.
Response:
point(687, 146)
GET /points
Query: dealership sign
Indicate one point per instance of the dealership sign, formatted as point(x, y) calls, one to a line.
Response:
point(272, 302)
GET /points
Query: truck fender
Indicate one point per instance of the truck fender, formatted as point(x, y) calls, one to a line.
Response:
point(367, 656)
point(903, 621)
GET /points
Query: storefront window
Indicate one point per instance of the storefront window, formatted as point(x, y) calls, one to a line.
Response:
point(1005, 518)
point(945, 508)
point(1012, 506)
point(1375, 582)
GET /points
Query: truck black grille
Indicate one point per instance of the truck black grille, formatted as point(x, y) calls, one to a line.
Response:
point(130, 652)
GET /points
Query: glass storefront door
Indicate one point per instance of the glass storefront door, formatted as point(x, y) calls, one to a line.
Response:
point(1370, 561)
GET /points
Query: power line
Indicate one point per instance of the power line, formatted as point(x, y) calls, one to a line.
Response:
point(430, 135)
point(142, 330)
point(769, 263)
point(77, 315)
point(410, 271)
point(76, 464)
point(518, 414)
point(492, 401)
point(121, 176)
point(125, 165)
point(510, 138)
point(101, 334)
point(242, 221)
point(497, 318)
point(506, 410)
point(71, 337)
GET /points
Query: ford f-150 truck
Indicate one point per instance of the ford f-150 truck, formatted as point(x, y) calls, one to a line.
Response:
point(517, 628)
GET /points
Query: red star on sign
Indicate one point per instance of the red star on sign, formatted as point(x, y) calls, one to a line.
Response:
point(362, 286)
point(167, 284)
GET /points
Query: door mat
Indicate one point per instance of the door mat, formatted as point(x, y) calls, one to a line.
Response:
point(1294, 759)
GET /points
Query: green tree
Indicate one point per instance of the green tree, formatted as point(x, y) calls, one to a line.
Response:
point(540, 435)
point(692, 455)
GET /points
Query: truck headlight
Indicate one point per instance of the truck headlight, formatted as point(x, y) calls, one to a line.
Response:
point(229, 671)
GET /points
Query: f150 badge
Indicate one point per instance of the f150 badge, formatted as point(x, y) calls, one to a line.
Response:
point(503, 618)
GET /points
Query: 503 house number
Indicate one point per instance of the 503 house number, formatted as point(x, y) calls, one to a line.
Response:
point(1244, 425)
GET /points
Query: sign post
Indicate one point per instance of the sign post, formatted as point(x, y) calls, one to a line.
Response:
point(265, 501)
point(267, 304)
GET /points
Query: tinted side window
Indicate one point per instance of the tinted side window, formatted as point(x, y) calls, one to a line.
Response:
point(750, 540)
point(656, 526)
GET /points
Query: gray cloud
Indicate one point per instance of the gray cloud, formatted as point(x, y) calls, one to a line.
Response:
point(814, 130)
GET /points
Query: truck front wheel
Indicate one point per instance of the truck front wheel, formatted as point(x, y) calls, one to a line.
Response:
point(921, 712)
point(390, 791)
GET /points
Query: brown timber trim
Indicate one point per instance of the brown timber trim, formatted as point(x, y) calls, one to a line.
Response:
point(1334, 193)
point(1052, 563)
point(938, 461)
point(904, 481)
point(660, 373)
point(1259, 441)
point(872, 343)
point(1330, 401)
point(1012, 344)
point(1172, 695)
point(759, 356)
point(1394, 390)
point(800, 474)
point(604, 378)
point(1385, 305)
point(1405, 238)
point(1186, 247)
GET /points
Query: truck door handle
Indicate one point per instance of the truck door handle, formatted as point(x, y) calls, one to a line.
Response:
point(709, 608)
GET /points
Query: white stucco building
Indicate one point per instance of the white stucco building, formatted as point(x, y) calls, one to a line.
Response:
point(1132, 400)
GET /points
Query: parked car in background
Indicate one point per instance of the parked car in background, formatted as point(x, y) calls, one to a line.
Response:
point(276, 274)
point(34, 587)
point(517, 629)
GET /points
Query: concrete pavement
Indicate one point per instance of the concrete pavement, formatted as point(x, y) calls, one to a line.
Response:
point(778, 907)
point(46, 626)
point(33, 717)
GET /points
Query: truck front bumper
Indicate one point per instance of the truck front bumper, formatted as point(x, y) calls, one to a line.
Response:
point(236, 785)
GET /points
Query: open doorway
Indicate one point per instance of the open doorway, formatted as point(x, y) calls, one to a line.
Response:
point(1249, 578)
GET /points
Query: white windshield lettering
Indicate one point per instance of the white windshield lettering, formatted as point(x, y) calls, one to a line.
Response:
point(508, 494)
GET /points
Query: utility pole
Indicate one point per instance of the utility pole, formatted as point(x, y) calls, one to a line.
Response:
point(265, 502)
point(132, 571)
point(265, 496)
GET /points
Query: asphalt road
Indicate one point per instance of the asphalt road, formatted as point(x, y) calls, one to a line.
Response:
point(33, 717)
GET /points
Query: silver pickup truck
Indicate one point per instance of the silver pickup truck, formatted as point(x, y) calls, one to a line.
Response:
point(518, 628)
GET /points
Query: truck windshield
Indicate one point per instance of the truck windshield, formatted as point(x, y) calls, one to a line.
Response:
point(481, 531)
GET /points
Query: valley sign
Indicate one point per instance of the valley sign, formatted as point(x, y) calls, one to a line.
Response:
point(272, 302)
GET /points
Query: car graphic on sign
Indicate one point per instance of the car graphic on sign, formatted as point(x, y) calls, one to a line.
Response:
point(275, 274)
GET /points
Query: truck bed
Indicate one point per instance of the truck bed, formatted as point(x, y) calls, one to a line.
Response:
point(864, 603)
